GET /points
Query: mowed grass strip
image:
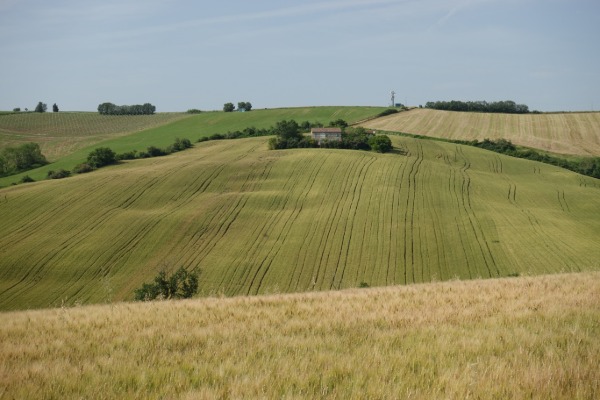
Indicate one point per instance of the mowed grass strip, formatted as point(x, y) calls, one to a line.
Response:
point(255, 221)
point(62, 133)
point(563, 133)
point(533, 337)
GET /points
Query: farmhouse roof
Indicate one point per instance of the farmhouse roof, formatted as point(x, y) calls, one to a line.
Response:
point(326, 130)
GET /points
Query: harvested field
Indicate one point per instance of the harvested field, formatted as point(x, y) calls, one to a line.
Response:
point(563, 133)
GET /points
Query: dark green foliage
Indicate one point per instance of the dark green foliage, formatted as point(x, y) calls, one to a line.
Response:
point(179, 145)
point(17, 109)
point(339, 123)
point(508, 106)
point(363, 285)
point(228, 107)
point(26, 179)
point(154, 151)
point(136, 109)
point(128, 155)
point(389, 111)
point(287, 130)
point(59, 174)
point(83, 168)
point(41, 107)
point(193, 111)
point(183, 284)
point(54, 108)
point(244, 106)
point(22, 158)
point(101, 157)
point(380, 143)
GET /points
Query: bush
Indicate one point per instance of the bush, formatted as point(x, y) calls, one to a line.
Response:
point(181, 285)
point(380, 143)
point(153, 151)
point(389, 111)
point(101, 156)
point(128, 155)
point(26, 179)
point(193, 111)
point(61, 173)
point(83, 168)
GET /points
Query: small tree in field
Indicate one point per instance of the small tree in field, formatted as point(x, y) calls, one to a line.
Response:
point(228, 107)
point(41, 107)
point(183, 284)
point(54, 108)
point(380, 143)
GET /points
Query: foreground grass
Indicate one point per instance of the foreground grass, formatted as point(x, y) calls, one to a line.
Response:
point(507, 338)
point(254, 221)
point(566, 133)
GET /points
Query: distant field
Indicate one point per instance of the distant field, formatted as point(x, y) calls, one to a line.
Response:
point(568, 133)
point(517, 338)
point(255, 221)
point(193, 127)
point(62, 133)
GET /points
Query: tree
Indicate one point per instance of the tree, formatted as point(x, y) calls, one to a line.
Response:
point(339, 123)
point(41, 107)
point(54, 108)
point(244, 105)
point(287, 130)
point(228, 107)
point(183, 284)
point(380, 143)
point(101, 156)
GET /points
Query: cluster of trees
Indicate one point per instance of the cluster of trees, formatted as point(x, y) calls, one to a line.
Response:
point(242, 106)
point(508, 106)
point(136, 109)
point(289, 136)
point(22, 158)
point(183, 284)
point(40, 108)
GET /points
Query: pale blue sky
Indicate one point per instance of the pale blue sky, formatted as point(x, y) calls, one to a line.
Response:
point(200, 54)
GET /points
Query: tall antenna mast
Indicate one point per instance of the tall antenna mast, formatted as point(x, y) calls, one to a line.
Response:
point(393, 96)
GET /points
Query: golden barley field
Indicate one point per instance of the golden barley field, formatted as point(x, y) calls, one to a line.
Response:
point(564, 133)
point(511, 338)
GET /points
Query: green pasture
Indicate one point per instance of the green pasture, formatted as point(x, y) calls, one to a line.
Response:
point(255, 221)
point(125, 133)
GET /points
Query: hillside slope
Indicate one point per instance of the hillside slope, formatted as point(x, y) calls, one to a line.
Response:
point(512, 338)
point(62, 133)
point(258, 221)
point(568, 133)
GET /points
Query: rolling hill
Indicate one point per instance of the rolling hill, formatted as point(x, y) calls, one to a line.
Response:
point(563, 133)
point(255, 221)
point(73, 135)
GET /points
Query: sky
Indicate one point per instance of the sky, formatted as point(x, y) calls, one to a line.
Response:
point(183, 54)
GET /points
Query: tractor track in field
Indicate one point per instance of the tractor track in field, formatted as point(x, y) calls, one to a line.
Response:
point(348, 230)
point(409, 216)
point(324, 251)
point(264, 235)
point(475, 224)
